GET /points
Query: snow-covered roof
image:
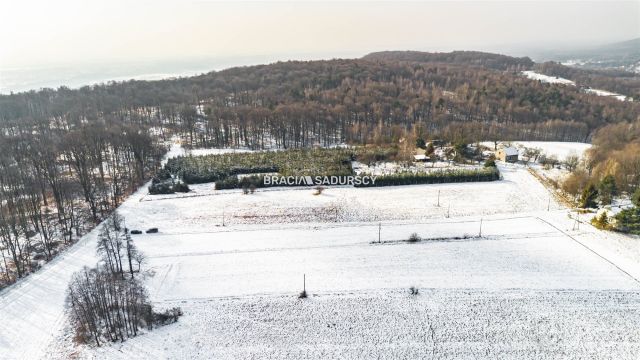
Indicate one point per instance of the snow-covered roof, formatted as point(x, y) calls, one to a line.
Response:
point(510, 151)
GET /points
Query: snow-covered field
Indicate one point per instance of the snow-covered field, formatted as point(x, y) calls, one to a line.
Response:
point(606, 93)
point(558, 80)
point(547, 79)
point(560, 150)
point(536, 284)
point(556, 148)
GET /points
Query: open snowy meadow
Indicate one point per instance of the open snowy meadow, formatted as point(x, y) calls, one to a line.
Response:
point(502, 271)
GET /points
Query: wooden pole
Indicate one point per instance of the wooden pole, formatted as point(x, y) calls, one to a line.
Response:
point(379, 231)
point(304, 282)
point(480, 234)
point(549, 203)
point(438, 198)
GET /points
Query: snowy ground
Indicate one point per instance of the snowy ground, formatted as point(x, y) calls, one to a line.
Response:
point(547, 79)
point(559, 149)
point(536, 284)
point(556, 148)
point(558, 80)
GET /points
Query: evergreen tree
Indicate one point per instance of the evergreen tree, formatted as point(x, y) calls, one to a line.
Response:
point(635, 198)
point(607, 189)
point(628, 221)
point(589, 196)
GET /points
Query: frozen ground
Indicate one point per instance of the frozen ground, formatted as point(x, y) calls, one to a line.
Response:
point(558, 80)
point(547, 79)
point(559, 149)
point(454, 324)
point(537, 284)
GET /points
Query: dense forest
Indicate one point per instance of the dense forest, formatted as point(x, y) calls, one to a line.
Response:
point(70, 156)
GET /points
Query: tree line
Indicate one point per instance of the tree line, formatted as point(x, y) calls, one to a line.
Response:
point(60, 179)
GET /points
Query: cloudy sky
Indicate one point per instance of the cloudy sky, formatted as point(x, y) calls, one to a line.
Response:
point(64, 31)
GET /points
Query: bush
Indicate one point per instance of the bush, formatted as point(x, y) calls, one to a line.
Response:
point(601, 221)
point(490, 163)
point(414, 290)
point(319, 190)
point(168, 316)
point(158, 187)
point(302, 295)
point(181, 187)
point(414, 238)
point(136, 232)
point(152, 231)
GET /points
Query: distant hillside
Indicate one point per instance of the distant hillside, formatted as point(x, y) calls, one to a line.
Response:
point(471, 58)
point(622, 56)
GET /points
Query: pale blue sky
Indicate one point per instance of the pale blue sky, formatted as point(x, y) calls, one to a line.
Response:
point(34, 32)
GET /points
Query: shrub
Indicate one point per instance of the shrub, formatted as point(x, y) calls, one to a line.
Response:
point(168, 316)
point(414, 290)
point(152, 231)
point(490, 163)
point(181, 187)
point(136, 232)
point(158, 187)
point(414, 237)
point(319, 190)
point(303, 294)
point(601, 221)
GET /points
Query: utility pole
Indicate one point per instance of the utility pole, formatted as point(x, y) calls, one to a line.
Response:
point(480, 233)
point(438, 198)
point(223, 215)
point(304, 282)
point(449, 210)
point(379, 231)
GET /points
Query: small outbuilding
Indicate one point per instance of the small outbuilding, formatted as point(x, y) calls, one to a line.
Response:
point(507, 154)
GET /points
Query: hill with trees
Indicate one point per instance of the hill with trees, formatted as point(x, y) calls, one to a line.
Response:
point(70, 156)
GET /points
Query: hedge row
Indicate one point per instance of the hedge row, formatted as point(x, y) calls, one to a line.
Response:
point(437, 177)
point(294, 162)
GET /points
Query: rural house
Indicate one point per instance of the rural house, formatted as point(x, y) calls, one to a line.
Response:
point(507, 154)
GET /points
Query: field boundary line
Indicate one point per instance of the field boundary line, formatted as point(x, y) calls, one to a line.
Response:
point(591, 250)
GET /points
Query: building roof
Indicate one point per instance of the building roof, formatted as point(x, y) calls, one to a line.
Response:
point(510, 151)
